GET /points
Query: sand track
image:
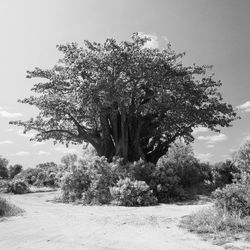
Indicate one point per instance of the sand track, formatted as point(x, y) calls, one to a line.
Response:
point(48, 225)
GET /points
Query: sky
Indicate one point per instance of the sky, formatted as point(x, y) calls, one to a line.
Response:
point(211, 32)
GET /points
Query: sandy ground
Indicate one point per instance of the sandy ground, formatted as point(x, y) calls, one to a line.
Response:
point(48, 225)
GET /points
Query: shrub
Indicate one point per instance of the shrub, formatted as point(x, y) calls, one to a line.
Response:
point(3, 186)
point(141, 171)
point(14, 170)
point(223, 173)
point(18, 187)
point(132, 193)
point(103, 175)
point(8, 209)
point(3, 168)
point(74, 183)
point(234, 198)
point(165, 182)
point(29, 175)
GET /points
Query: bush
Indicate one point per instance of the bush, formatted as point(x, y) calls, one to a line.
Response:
point(223, 173)
point(234, 198)
point(74, 183)
point(3, 168)
point(141, 171)
point(165, 182)
point(8, 209)
point(103, 175)
point(3, 186)
point(14, 170)
point(132, 193)
point(28, 175)
point(90, 181)
point(18, 187)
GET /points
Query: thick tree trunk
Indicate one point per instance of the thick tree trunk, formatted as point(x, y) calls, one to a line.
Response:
point(120, 136)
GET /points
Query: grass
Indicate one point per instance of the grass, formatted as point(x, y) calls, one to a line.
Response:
point(218, 225)
point(8, 209)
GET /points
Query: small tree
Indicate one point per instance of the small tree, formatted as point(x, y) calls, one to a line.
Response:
point(242, 157)
point(124, 99)
point(14, 170)
point(3, 168)
point(69, 160)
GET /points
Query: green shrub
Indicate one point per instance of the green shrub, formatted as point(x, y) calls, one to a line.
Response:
point(18, 187)
point(132, 193)
point(8, 209)
point(234, 198)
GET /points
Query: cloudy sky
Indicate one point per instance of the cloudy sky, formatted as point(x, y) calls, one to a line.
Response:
point(210, 31)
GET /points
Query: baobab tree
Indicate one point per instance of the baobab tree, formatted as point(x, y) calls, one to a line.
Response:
point(125, 99)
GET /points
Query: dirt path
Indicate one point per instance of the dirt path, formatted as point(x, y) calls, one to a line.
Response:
point(47, 225)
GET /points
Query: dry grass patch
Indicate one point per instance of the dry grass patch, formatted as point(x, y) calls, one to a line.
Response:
point(218, 225)
point(8, 209)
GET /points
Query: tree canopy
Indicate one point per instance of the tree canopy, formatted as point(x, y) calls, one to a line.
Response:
point(125, 99)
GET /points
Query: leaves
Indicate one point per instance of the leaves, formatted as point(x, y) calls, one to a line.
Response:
point(150, 87)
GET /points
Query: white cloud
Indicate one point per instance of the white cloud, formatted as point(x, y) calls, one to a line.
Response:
point(6, 142)
point(38, 143)
point(41, 152)
point(245, 107)
point(200, 129)
point(7, 114)
point(210, 145)
point(65, 150)
point(153, 43)
point(204, 157)
point(22, 153)
point(211, 139)
point(27, 134)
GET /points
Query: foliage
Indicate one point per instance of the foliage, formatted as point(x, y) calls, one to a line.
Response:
point(124, 99)
point(188, 168)
point(103, 175)
point(48, 175)
point(132, 193)
point(224, 173)
point(141, 171)
point(18, 187)
point(74, 183)
point(3, 168)
point(8, 209)
point(242, 157)
point(69, 160)
point(29, 175)
point(14, 170)
point(3, 185)
point(234, 198)
point(177, 172)
point(166, 182)
point(89, 181)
